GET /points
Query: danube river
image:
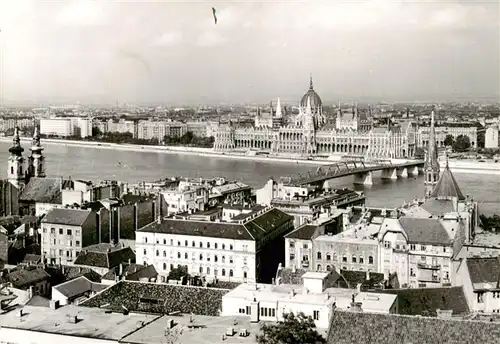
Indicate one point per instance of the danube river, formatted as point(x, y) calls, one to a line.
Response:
point(98, 164)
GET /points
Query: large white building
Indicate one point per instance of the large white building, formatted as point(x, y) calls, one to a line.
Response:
point(269, 302)
point(64, 127)
point(491, 137)
point(191, 198)
point(242, 248)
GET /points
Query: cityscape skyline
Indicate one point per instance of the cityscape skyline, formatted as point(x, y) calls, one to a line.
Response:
point(175, 54)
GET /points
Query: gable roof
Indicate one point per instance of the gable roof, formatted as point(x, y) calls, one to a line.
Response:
point(105, 259)
point(78, 286)
point(22, 278)
point(425, 301)
point(447, 186)
point(64, 216)
point(361, 328)
point(253, 229)
point(158, 298)
point(484, 270)
point(425, 231)
point(45, 190)
point(132, 272)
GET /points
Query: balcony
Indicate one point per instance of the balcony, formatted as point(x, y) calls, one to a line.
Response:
point(429, 266)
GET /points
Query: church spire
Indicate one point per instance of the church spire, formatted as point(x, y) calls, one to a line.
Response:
point(431, 165)
point(278, 108)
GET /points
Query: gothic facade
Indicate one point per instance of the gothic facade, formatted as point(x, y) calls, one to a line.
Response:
point(310, 134)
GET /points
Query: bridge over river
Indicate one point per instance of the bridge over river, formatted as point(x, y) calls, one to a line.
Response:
point(361, 170)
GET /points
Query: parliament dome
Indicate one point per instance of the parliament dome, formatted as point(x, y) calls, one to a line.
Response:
point(311, 93)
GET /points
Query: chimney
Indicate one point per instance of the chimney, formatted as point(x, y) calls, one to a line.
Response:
point(120, 271)
point(30, 292)
point(158, 220)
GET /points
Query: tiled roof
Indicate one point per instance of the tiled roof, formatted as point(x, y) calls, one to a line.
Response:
point(159, 298)
point(368, 328)
point(78, 286)
point(289, 276)
point(32, 258)
point(251, 230)
point(61, 274)
point(63, 216)
point(132, 272)
point(484, 270)
point(304, 232)
point(105, 259)
point(44, 190)
point(436, 206)
point(425, 301)
point(353, 278)
point(425, 231)
point(447, 186)
point(24, 277)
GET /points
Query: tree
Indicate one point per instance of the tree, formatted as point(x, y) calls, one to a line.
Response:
point(462, 143)
point(96, 131)
point(292, 330)
point(491, 223)
point(449, 140)
point(178, 273)
point(480, 139)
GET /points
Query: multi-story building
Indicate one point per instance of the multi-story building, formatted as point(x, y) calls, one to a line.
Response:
point(122, 126)
point(185, 198)
point(442, 132)
point(305, 203)
point(479, 278)
point(309, 134)
point(64, 127)
point(199, 129)
point(244, 249)
point(491, 137)
point(65, 232)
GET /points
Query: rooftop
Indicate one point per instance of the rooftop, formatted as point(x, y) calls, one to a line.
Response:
point(45, 190)
point(63, 216)
point(447, 186)
point(435, 206)
point(484, 271)
point(104, 259)
point(92, 323)
point(425, 231)
point(363, 328)
point(24, 277)
point(78, 286)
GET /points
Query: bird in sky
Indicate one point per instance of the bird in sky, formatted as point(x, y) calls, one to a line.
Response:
point(215, 16)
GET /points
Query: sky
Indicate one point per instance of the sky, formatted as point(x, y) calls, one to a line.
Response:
point(172, 52)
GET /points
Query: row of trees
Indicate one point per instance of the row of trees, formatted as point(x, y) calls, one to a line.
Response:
point(189, 139)
point(460, 144)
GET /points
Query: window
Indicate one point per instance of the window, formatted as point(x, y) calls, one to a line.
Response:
point(179, 255)
point(387, 244)
point(354, 259)
point(244, 274)
point(201, 256)
point(412, 247)
point(185, 255)
point(361, 260)
point(164, 266)
point(480, 297)
point(316, 315)
point(319, 267)
point(77, 232)
point(216, 272)
point(171, 242)
point(144, 251)
point(223, 259)
point(208, 245)
point(164, 253)
point(422, 248)
point(328, 256)
point(208, 271)
point(157, 253)
point(201, 270)
point(344, 259)
point(178, 243)
point(370, 260)
point(77, 243)
point(215, 245)
point(145, 263)
point(319, 255)
point(305, 246)
point(185, 243)
point(231, 247)
point(412, 273)
point(45, 230)
point(216, 258)
point(444, 248)
point(496, 294)
point(230, 260)
point(328, 268)
point(223, 246)
point(223, 272)
point(231, 273)
point(292, 244)
point(164, 241)
point(292, 256)
point(193, 244)
point(52, 231)
point(60, 231)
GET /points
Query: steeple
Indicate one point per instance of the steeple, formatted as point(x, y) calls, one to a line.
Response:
point(311, 85)
point(447, 187)
point(278, 109)
point(431, 165)
point(15, 166)
point(36, 164)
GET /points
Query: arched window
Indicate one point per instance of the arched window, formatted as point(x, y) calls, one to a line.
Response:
point(164, 266)
point(231, 273)
point(361, 260)
point(145, 263)
point(354, 260)
point(223, 246)
point(370, 260)
point(223, 272)
point(319, 267)
point(201, 270)
point(319, 255)
point(171, 242)
point(146, 240)
point(223, 259)
point(231, 247)
point(328, 268)
point(164, 241)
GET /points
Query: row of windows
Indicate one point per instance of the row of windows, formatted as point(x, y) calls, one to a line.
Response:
point(186, 256)
point(354, 259)
point(193, 243)
point(62, 242)
point(269, 312)
point(61, 231)
point(216, 271)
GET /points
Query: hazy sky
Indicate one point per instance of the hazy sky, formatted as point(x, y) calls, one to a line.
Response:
point(172, 52)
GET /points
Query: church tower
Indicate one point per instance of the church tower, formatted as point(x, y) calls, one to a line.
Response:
point(15, 166)
point(36, 164)
point(431, 165)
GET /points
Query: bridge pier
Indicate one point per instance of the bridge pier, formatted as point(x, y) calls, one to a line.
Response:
point(389, 173)
point(364, 178)
point(413, 171)
point(402, 172)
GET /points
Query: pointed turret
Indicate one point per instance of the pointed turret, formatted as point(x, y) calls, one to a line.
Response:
point(278, 109)
point(431, 165)
point(447, 186)
point(36, 167)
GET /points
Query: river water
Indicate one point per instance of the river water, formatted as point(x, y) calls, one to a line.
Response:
point(98, 164)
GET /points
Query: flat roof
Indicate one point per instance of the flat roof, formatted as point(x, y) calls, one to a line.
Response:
point(92, 322)
point(203, 329)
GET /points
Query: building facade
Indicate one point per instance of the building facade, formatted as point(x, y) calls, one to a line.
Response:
point(440, 134)
point(491, 137)
point(309, 134)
